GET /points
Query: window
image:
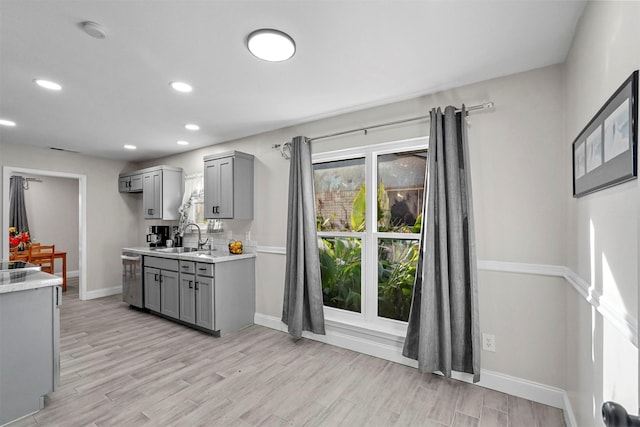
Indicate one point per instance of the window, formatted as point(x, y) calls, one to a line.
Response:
point(368, 211)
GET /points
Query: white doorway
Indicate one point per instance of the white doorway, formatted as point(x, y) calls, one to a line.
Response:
point(82, 216)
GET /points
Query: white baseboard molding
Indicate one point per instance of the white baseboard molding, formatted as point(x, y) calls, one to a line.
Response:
point(74, 273)
point(389, 348)
point(99, 293)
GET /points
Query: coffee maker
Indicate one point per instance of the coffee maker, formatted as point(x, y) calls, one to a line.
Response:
point(158, 235)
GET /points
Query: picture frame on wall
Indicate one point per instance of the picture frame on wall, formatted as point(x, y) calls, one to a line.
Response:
point(605, 152)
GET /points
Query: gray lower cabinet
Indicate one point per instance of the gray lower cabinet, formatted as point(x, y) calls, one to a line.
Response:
point(196, 294)
point(29, 350)
point(161, 286)
point(216, 297)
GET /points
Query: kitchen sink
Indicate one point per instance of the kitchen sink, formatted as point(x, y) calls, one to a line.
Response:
point(176, 250)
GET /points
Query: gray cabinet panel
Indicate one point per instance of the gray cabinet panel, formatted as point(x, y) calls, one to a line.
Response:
point(151, 195)
point(152, 288)
point(169, 294)
point(205, 302)
point(27, 350)
point(187, 298)
point(228, 186)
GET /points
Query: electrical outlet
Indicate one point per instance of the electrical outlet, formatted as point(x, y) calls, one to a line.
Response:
point(489, 342)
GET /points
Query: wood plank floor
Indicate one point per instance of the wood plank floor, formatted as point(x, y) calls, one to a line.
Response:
point(121, 367)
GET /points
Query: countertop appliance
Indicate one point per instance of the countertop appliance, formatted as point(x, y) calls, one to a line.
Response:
point(158, 235)
point(132, 289)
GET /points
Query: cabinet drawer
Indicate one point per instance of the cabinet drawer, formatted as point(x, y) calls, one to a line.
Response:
point(204, 269)
point(161, 263)
point(187, 267)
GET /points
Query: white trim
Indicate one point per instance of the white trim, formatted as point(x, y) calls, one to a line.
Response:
point(624, 322)
point(74, 273)
point(82, 215)
point(389, 347)
point(278, 250)
point(99, 293)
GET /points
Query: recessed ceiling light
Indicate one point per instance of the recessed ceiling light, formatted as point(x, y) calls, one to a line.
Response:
point(48, 84)
point(191, 126)
point(181, 86)
point(183, 142)
point(271, 45)
point(130, 147)
point(5, 122)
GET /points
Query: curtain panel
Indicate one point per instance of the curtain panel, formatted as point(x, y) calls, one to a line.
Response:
point(17, 209)
point(303, 304)
point(443, 332)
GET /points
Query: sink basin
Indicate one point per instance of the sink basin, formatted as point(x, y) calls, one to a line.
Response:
point(208, 254)
point(176, 250)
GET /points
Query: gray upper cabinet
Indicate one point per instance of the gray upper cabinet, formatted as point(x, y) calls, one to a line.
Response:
point(228, 186)
point(162, 189)
point(130, 182)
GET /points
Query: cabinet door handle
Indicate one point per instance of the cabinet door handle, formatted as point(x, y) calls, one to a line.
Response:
point(161, 279)
point(197, 286)
point(155, 277)
point(149, 211)
point(190, 284)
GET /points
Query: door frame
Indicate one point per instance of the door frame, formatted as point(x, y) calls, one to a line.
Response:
point(82, 215)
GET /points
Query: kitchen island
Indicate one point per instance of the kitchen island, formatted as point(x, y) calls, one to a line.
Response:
point(209, 290)
point(29, 339)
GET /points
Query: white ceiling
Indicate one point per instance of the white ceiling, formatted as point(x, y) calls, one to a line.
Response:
point(350, 55)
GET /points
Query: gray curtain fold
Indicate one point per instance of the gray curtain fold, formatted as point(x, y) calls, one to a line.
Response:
point(17, 209)
point(443, 333)
point(303, 305)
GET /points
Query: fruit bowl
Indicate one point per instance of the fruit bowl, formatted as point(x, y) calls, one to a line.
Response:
point(235, 247)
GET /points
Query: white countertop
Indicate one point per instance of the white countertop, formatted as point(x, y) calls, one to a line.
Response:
point(199, 256)
point(25, 279)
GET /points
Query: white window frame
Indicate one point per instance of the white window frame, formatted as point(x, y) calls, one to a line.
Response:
point(368, 316)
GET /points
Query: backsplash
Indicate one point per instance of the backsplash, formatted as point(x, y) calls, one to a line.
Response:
point(219, 242)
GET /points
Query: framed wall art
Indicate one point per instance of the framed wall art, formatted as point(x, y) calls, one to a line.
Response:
point(604, 153)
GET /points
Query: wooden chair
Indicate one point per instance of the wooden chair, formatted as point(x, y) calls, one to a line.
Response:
point(16, 255)
point(42, 255)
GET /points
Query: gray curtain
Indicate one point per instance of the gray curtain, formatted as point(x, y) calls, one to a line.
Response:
point(303, 307)
point(443, 333)
point(17, 210)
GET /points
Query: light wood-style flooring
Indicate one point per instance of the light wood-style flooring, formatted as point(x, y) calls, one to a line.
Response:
point(121, 367)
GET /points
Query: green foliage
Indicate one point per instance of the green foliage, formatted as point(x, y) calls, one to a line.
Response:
point(397, 261)
point(341, 270)
point(341, 261)
point(359, 210)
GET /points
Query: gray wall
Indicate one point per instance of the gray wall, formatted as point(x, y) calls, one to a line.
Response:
point(52, 210)
point(602, 227)
point(517, 162)
point(111, 221)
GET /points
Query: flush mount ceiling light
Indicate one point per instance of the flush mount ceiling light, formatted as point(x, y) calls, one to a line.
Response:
point(271, 45)
point(5, 122)
point(47, 84)
point(130, 147)
point(191, 126)
point(182, 142)
point(181, 86)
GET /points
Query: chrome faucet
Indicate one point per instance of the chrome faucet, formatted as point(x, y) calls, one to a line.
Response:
point(201, 243)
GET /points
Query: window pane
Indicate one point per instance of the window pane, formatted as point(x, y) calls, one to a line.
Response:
point(397, 261)
point(401, 191)
point(340, 267)
point(340, 195)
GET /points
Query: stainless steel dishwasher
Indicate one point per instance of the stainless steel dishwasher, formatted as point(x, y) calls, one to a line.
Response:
point(132, 287)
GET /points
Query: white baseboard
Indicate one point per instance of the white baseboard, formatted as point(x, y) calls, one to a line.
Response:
point(390, 349)
point(74, 273)
point(99, 293)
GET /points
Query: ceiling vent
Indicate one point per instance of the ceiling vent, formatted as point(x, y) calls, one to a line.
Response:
point(94, 29)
